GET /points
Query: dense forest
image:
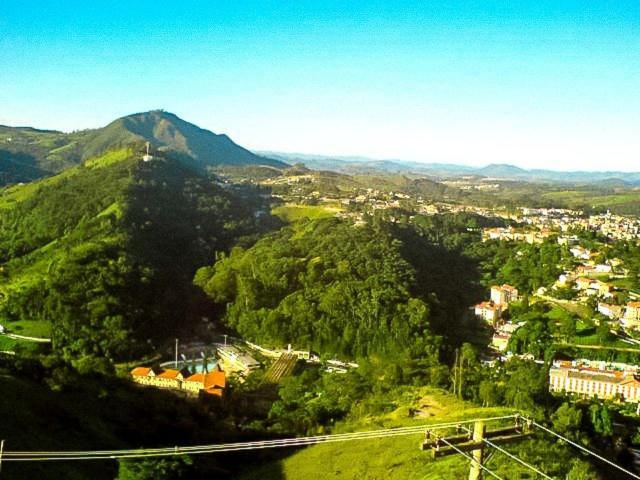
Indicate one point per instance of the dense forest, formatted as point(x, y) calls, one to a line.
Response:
point(303, 284)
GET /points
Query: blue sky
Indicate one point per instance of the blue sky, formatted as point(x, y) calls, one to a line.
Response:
point(547, 84)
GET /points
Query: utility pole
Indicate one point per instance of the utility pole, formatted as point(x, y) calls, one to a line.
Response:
point(176, 360)
point(460, 375)
point(475, 471)
point(455, 374)
point(473, 442)
point(1, 450)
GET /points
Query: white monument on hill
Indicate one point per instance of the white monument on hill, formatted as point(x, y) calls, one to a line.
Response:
point(147, 157)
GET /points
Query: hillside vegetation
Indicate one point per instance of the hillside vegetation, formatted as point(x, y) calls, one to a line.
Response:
point(106, 251)
point(400, 458)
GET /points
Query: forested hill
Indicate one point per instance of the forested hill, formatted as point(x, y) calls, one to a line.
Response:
point(27, 153)
point(345, 290)
point(106, 251)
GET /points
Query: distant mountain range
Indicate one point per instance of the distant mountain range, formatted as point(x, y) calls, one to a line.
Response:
point(440, 171)
point(28, 153)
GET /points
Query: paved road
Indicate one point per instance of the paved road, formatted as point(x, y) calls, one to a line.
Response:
point(28, 339)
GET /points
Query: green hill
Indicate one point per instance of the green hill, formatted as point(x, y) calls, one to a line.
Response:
point(27, 153)
point(168, 133)
point(106, 250)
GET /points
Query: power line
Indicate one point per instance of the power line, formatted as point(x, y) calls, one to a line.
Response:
point(490, 472)
point(586, 450)
point(25, 456)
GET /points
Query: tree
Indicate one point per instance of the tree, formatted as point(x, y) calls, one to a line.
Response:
point(489, 393)
point(582, 471)
point(567, 420)
point(172, 468)
point(601, 419)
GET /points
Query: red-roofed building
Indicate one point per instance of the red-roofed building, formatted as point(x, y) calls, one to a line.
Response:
point(212, 383)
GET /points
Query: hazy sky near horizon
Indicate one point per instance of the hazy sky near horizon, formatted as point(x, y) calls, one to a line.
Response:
point(543, 84)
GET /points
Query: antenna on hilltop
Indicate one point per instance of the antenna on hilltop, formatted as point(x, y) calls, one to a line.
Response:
point(147, 157)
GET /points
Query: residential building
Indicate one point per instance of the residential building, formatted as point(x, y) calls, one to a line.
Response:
point(631, 317)
point(500, 341)
point(503, 295)
point(209, 383)
point(569, 377)
point(488, 311)
point(580, 252)
point(212, 383)
point(614, 312)
point(583, 283)
point(502, 335)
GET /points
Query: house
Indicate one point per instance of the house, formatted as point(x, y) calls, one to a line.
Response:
point(488, 311)
point(159, 377)
point(567, 377)
point(580, 252)
point(565, 278)
point(502, 335)
point(145, 375)
point(170, 378)
point(604, 289)
point(583, 283)
point(608, 310)
point(631, 317)
point(585, 270)
point(212, 383)
point(500, 341)
point(503, 295)
point(603, 268)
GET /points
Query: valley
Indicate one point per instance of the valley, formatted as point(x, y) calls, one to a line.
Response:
point(200, 293)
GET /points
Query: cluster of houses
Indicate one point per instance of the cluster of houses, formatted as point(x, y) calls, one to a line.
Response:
point(591, 379)
point(202, 383)
point(510, 233)
point(607, 224)
point(492, 312)
point(583, 280)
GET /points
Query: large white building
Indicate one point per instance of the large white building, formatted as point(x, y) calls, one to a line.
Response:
point(591, 382)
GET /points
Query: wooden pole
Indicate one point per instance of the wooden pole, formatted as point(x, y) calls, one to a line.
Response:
point(1, 451)
point(475, 472)
point(455, 375)
point(461, 375)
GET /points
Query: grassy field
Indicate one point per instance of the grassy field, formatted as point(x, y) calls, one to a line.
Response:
point(392, 458)
point(292, 213)
point(29, 328)
point(625, 201)
point(575, 308)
